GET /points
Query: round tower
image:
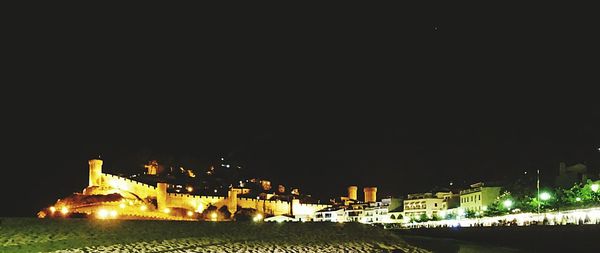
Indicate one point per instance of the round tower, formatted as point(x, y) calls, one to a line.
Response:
point(352, 192)
point(232, 199)
point(161, 196)
point(95, 172)
point(370, 194)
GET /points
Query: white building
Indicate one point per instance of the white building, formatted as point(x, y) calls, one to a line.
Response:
point(478, 197)
point(367, 213)
point(331, 214)
point(428, 203)
point(374, 213)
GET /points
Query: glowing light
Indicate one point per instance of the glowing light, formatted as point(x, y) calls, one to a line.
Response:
point(189, 189)
point(122, 205)
point(113, 213)
point(258, 217)
point(64, 210)
point(578, 199)
point(121, 185)
point(143, 208)
point(102, 214)
point(190, 213)
point(167, 210)
point(200, 208)
point(507, 203)
point(213, 216)
point(595, 187)
point(545, 196)
point(191, 173)
point(52, 209)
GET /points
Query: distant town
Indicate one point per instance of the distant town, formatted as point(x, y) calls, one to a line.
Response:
point(225, 193)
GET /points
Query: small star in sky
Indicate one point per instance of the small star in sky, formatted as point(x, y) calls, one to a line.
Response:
point(435, 28)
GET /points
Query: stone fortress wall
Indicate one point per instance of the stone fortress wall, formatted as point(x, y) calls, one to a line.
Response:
point(196, 203)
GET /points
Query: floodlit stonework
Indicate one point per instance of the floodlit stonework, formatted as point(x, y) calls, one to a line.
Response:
point(143, 201)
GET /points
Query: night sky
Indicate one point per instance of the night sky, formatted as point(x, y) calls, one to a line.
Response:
point(319, 105)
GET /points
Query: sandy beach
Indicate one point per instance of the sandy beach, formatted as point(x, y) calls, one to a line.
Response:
point(81, 235)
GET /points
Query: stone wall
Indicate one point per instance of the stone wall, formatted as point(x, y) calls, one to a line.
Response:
point(197, 203)
point(125, 184)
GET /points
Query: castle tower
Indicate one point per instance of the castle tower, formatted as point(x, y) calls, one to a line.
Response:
point(352, 190)
point(151, 167)
point(95, 172)
point(161, 196)
point(232, 199)
point(370, 194)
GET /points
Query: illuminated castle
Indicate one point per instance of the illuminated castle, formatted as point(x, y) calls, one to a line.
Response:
point(110, 196)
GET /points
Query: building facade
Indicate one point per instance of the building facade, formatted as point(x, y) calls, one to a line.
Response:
point(330, 214)
point(429, 204)
point(478, 197)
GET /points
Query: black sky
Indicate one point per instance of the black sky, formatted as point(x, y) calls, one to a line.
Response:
point(319, 104)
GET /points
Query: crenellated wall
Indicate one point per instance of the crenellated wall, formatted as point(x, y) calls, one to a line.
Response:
point(277, 207)
point(196, 203)
point(140, 189)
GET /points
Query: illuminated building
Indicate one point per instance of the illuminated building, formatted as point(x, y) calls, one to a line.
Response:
point(151, 167)
point(370, 194)
point(107, 193)
point(478, 197)
point(331, 214)
point(415, 205)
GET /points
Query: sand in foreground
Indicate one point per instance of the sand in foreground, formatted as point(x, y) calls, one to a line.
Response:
point(80, 235)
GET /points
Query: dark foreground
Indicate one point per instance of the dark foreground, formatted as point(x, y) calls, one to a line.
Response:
point(446, 245)
point(83, 235)
point(582, 238)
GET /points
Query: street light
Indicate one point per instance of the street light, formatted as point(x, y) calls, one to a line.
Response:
point(545, 196)
point(507, 203)
point(595, 187)
point(538, 190)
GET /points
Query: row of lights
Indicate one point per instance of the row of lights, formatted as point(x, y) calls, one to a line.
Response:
point(104, 214)
point(63, 210)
